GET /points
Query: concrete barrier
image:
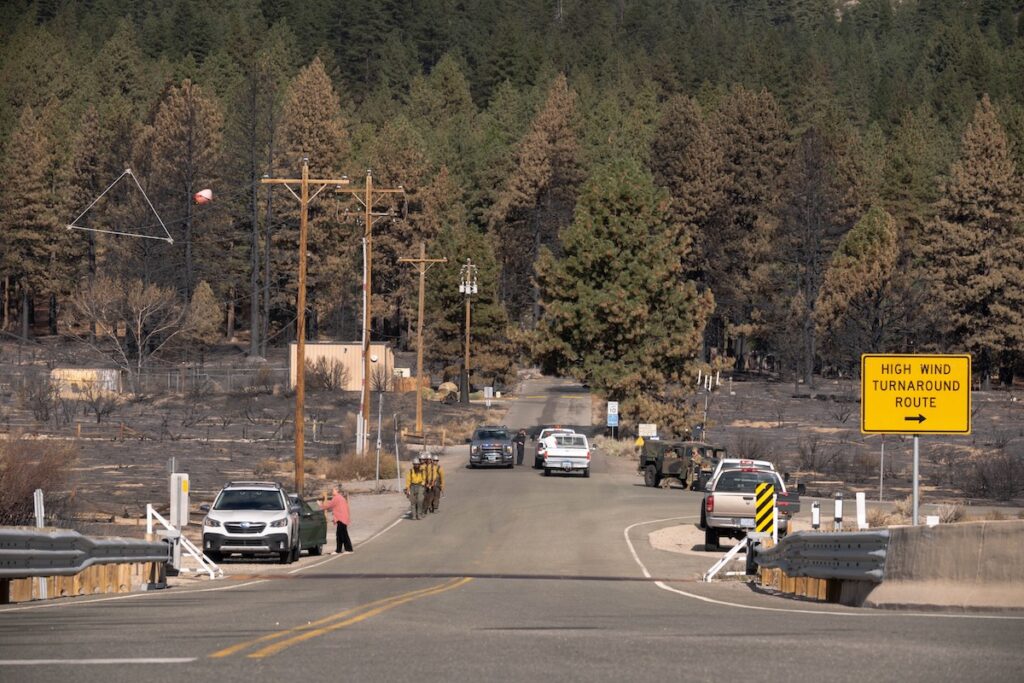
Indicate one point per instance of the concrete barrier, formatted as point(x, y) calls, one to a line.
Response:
point(967, 565)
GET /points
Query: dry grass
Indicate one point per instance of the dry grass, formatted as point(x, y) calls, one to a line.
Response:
point(616, 448)
point(877, 517)
point(354, 468)
point(905, 507)
point(458, 430)
point(29, 465)
point(266, 467)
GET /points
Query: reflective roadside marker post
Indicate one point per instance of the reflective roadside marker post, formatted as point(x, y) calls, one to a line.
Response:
point(815, 515)
point(915, 394)
point(862, 511)
point(839, 512)
point(764, 511)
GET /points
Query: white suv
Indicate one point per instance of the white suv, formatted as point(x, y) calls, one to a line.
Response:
point(251, 518)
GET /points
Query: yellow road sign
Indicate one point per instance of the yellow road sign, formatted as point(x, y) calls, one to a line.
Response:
point(915, 393)
point(764, 520)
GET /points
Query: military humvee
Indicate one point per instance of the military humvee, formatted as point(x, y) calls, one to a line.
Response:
point(691, 462)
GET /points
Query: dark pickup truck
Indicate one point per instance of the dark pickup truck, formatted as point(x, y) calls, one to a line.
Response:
point(691, 462)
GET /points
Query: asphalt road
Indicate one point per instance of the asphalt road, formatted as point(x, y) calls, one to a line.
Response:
point(520, 577)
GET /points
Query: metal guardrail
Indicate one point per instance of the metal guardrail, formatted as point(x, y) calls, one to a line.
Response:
point(29, 552)
point(858, 555)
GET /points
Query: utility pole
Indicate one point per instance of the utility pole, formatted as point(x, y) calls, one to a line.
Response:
point(422, 265)
point(368, 196)
point(300, 314)
point(467, 286)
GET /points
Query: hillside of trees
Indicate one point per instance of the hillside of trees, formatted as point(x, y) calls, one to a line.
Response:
point(648, 188)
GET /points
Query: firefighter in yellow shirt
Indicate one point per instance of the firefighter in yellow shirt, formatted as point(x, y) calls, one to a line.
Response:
point(438, 487)
point(428, 485)
point(415, 480)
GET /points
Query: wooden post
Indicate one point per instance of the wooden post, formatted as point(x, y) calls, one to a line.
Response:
point(367, 309)
point(422, 266)
point(120, 436)
point(78, 430)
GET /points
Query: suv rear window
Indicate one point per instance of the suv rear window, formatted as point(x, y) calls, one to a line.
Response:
point(249, 499)
point(486, 434)
point(739, 481)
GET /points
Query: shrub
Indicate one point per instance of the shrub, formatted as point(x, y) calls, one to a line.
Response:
point(999, 476)
point(755, 448)
point(326, 375)
point(29, 465)
point(38, 394)
point(810, 453)
point(951, 513)
point(353, 467)
point(877, 517)
point(905, 507)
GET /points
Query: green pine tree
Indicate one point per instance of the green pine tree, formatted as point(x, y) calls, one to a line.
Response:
point(618, 311)
point(28, 212)
point(186, 155)
point(537, 199)
point(974, 245)
point(491, 353)
point(313, 127)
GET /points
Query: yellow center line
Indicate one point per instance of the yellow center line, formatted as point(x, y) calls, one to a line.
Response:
point(302, 637)
point(228, 651)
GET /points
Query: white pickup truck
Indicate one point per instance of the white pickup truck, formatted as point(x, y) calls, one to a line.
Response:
point(565, 453)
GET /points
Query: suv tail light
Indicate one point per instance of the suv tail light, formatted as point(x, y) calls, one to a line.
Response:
point(709, 503)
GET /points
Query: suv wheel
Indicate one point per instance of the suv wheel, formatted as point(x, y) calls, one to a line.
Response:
point(214, 555)
point(285, 556)
point(317, 550)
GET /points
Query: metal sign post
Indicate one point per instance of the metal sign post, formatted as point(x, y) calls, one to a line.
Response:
point(915, 394)
point(917, 480)
point(613, 418)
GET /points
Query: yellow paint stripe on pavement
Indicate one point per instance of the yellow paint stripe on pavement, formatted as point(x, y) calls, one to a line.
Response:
point(238, 647)
point(307, 635)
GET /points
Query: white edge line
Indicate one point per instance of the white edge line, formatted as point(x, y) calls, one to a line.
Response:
point(183, 591)
point(336, 557)
point(189, 591)
point(139, 660)
point(868, 612)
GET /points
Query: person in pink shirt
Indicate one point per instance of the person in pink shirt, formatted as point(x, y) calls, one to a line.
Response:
point(338, 505)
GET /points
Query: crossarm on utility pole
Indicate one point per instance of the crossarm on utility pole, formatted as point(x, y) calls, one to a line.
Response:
point(422, 265)
point(300, 313)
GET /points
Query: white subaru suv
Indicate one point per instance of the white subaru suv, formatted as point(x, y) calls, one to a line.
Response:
point(251, 518)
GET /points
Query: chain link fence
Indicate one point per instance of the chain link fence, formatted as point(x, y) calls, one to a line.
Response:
point(212, 380)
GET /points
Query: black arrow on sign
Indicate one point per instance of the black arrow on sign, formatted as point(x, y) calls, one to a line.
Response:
point(919, 419)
